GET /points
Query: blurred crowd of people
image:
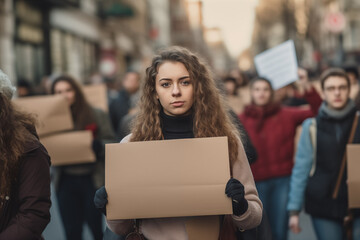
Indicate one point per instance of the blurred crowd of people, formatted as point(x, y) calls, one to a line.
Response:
point(290, 169)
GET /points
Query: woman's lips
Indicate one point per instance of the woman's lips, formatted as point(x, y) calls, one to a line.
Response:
point(177, 104)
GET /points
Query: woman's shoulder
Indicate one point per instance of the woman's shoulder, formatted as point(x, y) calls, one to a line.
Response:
point(31, 140)
point(35, 153)
point(126, 139)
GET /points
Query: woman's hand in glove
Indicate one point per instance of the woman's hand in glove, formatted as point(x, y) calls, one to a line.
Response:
point(100, 199)
point(235, 190)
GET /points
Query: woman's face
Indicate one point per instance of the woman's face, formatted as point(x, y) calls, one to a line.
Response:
point(260, 93)
point(174, 88)
point(65, 89)
point(230, 88)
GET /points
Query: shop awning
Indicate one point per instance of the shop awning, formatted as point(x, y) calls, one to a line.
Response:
point(118, 10)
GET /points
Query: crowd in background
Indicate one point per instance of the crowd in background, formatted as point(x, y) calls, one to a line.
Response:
point(269, 119)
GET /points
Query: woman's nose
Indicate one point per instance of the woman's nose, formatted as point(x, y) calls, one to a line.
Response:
point(176, 90)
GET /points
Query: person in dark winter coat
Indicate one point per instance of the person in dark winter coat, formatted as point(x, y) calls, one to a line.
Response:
point(316, 169)
point(272, 130)
point(24, 173)
point(123, 109)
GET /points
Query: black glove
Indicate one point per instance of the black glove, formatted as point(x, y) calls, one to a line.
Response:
point(100, 199)
point(235, 190)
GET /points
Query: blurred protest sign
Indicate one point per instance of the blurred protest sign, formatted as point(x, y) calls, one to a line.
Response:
point(353, 177)
point(52, 112)
point(172, 186)
point(278, 64)
point(70, 147)
point(96, 95)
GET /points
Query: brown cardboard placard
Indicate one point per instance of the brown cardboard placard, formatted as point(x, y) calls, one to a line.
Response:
point(96, 96)
point(69, 147)
point(52, 112)
point(172, 178)
point(353, 166)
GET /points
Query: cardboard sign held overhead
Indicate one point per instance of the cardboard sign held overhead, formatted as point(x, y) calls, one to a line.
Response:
point(96, 96)
point(52, 112)
point(69, 148)
point(278, 64)
point(172, 178)
point(353, 166)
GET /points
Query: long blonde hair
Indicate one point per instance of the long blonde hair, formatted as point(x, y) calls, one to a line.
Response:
point(210, 115)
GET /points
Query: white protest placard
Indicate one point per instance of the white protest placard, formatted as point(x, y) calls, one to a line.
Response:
point(278, 64)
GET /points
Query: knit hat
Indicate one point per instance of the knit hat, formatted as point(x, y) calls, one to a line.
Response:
point(6, 87)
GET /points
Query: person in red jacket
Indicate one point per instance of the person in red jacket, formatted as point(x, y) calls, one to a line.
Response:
point(272, 130)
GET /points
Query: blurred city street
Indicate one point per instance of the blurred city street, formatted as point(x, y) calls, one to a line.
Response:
point(278, 79)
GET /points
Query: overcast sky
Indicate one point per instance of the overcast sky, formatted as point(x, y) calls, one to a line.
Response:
point(236, 20)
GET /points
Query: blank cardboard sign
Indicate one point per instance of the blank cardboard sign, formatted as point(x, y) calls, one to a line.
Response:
point(52, 112)
point(96, 95)
point(172, 178)
point(353, 166)
point(72, 147)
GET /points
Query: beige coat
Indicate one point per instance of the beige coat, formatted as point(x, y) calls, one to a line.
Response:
point(184, 228)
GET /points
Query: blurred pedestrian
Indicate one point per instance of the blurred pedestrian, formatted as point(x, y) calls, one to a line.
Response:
point(76, 184)
point(24, 172)
point(231, 90)
point(353, 73)
point(318, 162)
point(243, 135)
point(180, 100)
point(272, 130)
point(24, 88)
point(125, 103)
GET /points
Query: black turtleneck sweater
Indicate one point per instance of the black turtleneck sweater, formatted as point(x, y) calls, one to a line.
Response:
point(176, 127)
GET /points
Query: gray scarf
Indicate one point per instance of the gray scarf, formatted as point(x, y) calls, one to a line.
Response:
point(337, 114)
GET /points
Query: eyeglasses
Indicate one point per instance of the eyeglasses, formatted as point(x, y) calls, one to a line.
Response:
point(135, 235)
point(332, 89)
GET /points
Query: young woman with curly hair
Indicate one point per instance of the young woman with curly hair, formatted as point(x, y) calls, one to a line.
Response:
point(24, 172)
point(180, 100)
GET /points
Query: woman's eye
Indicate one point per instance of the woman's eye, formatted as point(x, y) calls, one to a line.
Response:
point(165, 84)
point(185, 83)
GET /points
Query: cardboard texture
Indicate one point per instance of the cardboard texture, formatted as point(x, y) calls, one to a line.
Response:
point(52, 112)
point(353, 166)
point(70, 147)
point(172, 178)
point(96, 95)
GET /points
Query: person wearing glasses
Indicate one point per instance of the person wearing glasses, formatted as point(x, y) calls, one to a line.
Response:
point(24, 172)
point(318, 160)
point(180, 100)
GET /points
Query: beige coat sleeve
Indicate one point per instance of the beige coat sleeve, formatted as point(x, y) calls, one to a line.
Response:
point(242, 172)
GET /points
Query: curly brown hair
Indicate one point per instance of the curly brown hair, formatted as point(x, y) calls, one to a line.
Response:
point(15, 129)
point(210, 114)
